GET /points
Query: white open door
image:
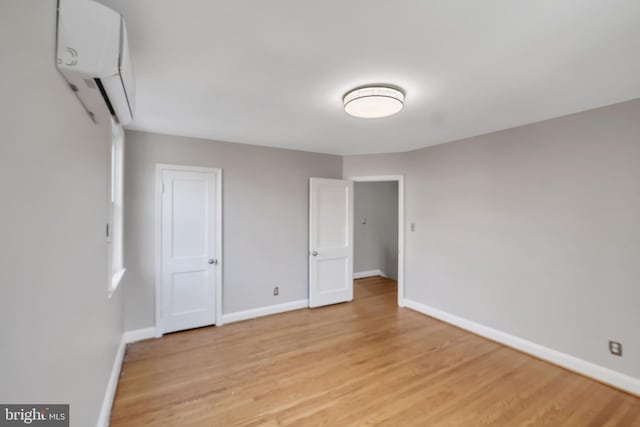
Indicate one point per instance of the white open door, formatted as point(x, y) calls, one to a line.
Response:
point(330, 241)
point(188, 249)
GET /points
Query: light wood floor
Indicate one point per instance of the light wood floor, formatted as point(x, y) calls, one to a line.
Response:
point(362, 363)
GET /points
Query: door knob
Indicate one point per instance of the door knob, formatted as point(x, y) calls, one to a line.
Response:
point(212, 261)
point(314, 253)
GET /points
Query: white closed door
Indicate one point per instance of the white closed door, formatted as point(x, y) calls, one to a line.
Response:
point(330, 241)
point(188, 249)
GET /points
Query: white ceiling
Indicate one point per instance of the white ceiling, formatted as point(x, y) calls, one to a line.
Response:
point(274, 72)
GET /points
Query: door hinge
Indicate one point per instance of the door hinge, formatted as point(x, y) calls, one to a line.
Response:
point(107, 230)
point(162, 187)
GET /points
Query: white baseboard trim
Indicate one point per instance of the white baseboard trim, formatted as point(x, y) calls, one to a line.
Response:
point(264, 311)
point(107, 402)
point(572, 363)
point(370, 273)
point(127, 338)
point(139, 335)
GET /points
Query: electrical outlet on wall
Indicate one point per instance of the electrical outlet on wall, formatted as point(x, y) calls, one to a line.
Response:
point(276, 291)
point(615, 348)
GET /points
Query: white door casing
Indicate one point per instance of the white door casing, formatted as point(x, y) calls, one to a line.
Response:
point(401, 224)
point(330, 241)
point(189, 247)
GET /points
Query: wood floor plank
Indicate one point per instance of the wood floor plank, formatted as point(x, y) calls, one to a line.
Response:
point(362, 363)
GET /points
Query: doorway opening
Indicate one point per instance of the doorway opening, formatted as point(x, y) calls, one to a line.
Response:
point(378, 235)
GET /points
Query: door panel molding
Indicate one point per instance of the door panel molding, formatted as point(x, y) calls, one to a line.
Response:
point(160, 169)
point(330, 241)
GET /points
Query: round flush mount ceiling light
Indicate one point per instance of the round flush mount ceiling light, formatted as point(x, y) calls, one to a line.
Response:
point(371, 102)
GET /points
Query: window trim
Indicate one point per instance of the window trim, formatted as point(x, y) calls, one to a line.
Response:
point(115, 228)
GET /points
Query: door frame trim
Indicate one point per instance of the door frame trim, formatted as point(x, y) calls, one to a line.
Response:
point(160, 167)
point(401, 226)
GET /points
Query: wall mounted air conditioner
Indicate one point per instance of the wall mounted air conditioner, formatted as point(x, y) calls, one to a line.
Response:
point(93, 56)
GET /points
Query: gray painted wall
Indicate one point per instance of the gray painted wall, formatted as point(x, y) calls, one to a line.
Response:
point(59, 331)
point(376, 242)
point(265, 218)
point(533, 231)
